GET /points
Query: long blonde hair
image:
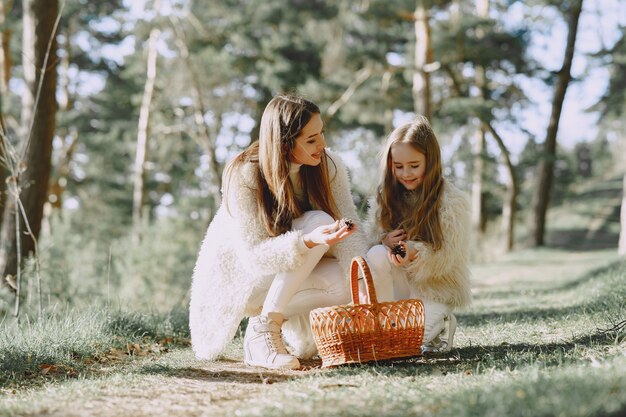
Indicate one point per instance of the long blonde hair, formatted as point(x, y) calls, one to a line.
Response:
point(282, 122)
point(416, 211)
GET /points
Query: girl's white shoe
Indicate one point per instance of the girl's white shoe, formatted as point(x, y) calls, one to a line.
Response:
point(448, 338)
point(443, 342)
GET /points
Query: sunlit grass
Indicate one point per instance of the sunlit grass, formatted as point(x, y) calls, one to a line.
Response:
point(529, 346)
point(63, 344)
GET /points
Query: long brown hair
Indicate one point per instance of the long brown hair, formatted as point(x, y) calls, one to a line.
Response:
point(282, 122)
point(416, 211)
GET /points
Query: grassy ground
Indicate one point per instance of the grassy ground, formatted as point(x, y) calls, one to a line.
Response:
point(544, 337)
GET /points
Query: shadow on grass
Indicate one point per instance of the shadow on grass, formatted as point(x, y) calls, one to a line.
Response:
point(237, 373)
point(609, 297)
point(579, 240)
point(534, 315)
point(566, 286)
point(598, 273)
point(553, 349)
point(459, 361)
point(470, 359)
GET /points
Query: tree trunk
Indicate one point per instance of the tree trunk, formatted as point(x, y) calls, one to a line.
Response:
point(68, 136)
point(203, 137)
point(384, 89)
point(334, 54)
point(5, 60)
point(423, 57)
point(509, 205)
point(3, 175)
point(5, 75)
point(5, 56)
point(541, 196)
point(31, 171)
point(622, 235)
point(59, 183)
point(64, 78)
point(478, 212)
point(479, 221)
point(141, 154)
point(455, 18)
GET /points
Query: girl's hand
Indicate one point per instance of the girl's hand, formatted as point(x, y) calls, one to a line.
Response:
point(394, 237)
point(398, 260)
point(410, 255)
point(328, 234)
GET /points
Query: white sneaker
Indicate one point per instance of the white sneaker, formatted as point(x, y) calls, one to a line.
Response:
point(434, 346)
point(447, 339)
point(443, 341)
point(263, 344)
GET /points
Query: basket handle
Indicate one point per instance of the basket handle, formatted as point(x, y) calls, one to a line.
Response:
point(358, 262)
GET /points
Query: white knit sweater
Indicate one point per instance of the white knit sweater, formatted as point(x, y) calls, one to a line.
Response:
point(442, 275)
point(238, 254)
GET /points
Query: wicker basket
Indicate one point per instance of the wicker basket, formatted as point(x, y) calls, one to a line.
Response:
point(358, 333)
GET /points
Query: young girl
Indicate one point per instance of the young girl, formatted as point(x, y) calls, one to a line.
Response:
point(275, 249)
point(416, 209)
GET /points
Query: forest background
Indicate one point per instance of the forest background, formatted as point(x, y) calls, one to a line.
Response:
point(118, 117)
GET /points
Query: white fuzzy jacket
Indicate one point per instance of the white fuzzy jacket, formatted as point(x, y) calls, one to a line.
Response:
point(442, 275)
point(238, 254)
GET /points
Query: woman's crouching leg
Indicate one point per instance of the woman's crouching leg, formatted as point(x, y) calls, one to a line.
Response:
point(326, 286)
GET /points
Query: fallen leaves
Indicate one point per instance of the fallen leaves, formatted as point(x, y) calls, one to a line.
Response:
point(130, 350)
point(122, 352)
point(57, 370)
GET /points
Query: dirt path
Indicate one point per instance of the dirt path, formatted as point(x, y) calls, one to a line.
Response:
point(202, 390)
point(174, 384)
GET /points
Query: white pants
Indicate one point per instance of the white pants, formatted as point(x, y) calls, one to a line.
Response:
point(392, 284)
point(318, 282)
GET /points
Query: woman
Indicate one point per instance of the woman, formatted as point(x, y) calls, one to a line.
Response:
point(276, 248)
point(419, 223)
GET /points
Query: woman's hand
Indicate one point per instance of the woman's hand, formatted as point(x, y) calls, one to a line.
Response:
point(394, 237)
point(328, 234)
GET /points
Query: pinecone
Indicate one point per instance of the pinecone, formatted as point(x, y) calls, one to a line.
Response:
point(399, 250)
point(346, 222)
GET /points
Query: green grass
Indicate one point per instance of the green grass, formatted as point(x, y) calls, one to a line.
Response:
point(544, 337)
point(64, 344)
point(580, 390)
point(556, 345)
